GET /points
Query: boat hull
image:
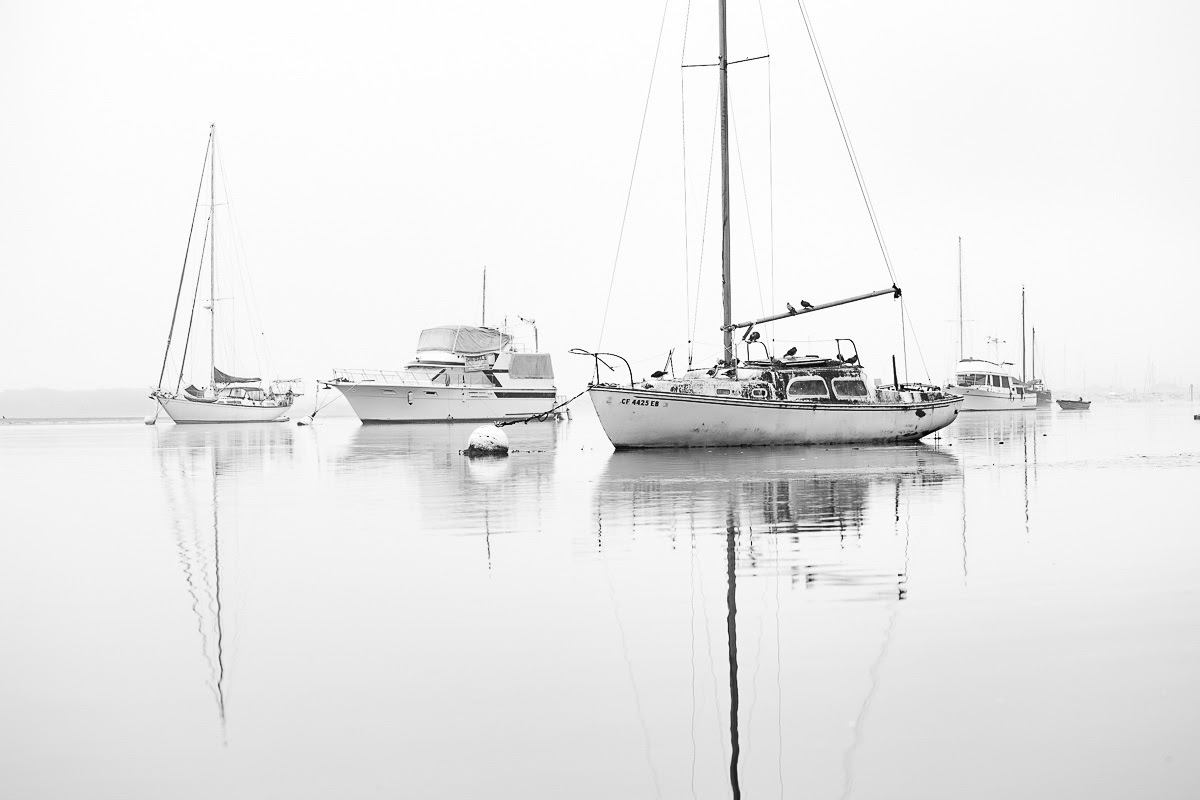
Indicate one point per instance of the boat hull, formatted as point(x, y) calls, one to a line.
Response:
point(381, 403)
point(634, 418)
point(188, 412)
point(983, 400)
point(1074, 405)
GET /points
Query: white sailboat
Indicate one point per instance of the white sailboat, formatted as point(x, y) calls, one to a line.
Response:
point(770, 401)
point(227, 397)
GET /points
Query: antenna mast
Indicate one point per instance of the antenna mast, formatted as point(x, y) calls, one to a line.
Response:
point(1022, 334)
point(483, 313)
point(960, 311)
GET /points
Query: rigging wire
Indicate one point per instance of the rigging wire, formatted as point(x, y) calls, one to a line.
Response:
point(629, 193)
point(246, 279)
point(183, 272)
point(862, 184)
point(195, 296)
point(712, 149)
point(837, 112)
point(687, 265)
point(770, 163)
point(737, 146)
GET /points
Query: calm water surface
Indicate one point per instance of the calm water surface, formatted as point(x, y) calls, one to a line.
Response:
point(1012, 610)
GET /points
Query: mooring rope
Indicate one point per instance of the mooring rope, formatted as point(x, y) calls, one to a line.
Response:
point(543, 416)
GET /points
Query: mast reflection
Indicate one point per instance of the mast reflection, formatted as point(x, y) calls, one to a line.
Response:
point(833, 518)
point(194, 462)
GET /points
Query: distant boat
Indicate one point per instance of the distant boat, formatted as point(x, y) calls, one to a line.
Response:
point(774, 399)
point(1074, 405)
point(227, 397)
point(987, 385)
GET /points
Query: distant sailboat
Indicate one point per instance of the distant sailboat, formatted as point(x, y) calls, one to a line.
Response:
point(227, 397)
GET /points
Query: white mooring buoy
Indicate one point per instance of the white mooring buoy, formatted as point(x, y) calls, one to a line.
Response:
point(150, 419)
point(487, 441)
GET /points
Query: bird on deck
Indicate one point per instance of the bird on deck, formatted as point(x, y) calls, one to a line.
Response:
point(805, 304)
point(753, 337)
point(658, 374)
point(792, 309)
point(852, 360)
point(790, 353)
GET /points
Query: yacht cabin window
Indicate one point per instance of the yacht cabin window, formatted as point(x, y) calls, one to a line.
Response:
point(850, 389)
point(810, 388)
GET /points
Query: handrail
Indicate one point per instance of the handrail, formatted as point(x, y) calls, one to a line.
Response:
point(579, 351)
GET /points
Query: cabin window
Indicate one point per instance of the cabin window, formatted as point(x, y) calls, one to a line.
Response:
point(972, 379)
point(1005, 382)
point(723, 392)
point(850, 388)
point(811, 388)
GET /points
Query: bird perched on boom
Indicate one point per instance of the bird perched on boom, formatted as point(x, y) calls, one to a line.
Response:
point(792, 309)
point(805, 304)
point(753, 337)
point(658, 373)
point(791, 352)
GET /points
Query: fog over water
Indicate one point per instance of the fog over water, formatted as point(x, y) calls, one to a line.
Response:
point(379, 157)
point(344, 610)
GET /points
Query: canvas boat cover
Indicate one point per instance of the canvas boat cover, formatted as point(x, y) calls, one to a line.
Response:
point(530, 365)
point(464, 340)
point(224, 377)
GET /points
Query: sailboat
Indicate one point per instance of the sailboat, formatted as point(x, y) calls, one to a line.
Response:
point(1037, 385)
point(227, 397)
point(793, 399)
point(988, 385)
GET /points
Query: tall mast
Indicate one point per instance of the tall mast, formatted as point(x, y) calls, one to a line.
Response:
point(1022, 334)
point(483, 312)
point(726, 301)
point(1033, 353)
point(212, 260)
point(960, 313)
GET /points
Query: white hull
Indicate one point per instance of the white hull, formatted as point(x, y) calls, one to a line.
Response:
point(434, 403)
point(637, 418)
point(978, 399)
point(184, 412)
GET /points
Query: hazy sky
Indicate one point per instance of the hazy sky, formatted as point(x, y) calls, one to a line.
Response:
point(382, 154)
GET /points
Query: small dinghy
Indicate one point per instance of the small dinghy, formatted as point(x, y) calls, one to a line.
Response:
point(1074, 405)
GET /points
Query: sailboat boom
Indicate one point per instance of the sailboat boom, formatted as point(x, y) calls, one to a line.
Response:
point(894, 291)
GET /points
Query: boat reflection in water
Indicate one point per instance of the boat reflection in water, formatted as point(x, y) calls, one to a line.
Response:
point(823, 520)
point(197, 464)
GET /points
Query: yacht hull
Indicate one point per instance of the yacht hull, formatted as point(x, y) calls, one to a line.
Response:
point(983, 400)
point(186, 412)
point(428, 403)
point(634, 418)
